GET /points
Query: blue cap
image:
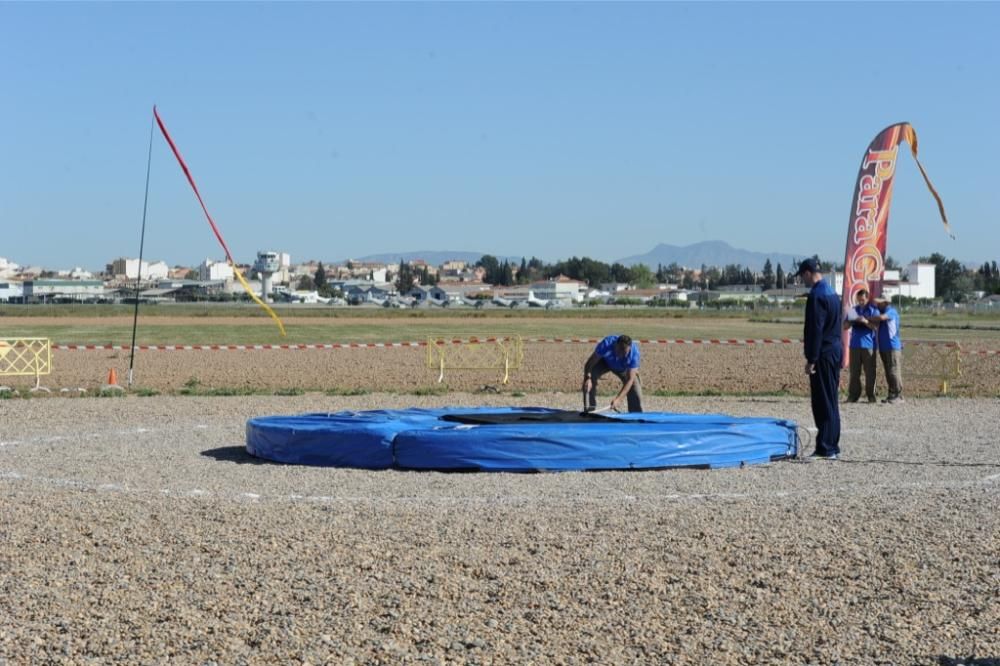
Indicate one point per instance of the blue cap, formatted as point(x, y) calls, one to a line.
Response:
point(808, 265)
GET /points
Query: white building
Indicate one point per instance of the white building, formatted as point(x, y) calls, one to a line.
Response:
point(279, 264)
point(560, 288)
point(130, 268)
point(920, 282)
point(10, 291)
point(215, 270)
point(612, 287)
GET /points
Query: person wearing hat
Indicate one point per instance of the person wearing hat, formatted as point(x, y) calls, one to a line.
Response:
point(890, 349)
point(824, 353)
point(863, 323)
point(620, 355)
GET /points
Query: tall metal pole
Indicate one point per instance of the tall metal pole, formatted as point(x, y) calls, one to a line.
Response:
point(142, 241)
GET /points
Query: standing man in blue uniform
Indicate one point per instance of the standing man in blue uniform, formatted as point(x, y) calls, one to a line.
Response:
point(863, 324)
point(890, 349)
point(824, 353)
point(620, 355)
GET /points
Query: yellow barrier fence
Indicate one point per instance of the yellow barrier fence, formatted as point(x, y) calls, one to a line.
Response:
point(26, 357)
point(499, 354)
point(940, 361)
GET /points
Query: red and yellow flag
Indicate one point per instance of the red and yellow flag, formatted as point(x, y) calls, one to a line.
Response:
point(215, 229)
point(864, 264)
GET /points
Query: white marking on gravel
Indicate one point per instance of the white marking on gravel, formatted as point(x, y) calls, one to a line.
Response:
point(102, 434)
point(864, 489)
point(812, 430)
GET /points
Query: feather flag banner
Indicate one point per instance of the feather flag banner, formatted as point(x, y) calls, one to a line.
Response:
point(864, 263)
point(211, 222)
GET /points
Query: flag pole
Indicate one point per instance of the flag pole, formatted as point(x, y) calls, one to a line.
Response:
point(142, 241)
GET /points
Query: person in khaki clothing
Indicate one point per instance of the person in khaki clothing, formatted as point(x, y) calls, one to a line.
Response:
point(863, 325)
point(890, 349)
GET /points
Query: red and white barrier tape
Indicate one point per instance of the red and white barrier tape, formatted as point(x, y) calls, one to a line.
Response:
point(287, 347)
point(462, 341)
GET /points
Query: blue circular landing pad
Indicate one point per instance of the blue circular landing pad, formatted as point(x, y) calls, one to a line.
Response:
point(518, 439)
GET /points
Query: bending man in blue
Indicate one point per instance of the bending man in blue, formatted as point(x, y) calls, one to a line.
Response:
point(620, 355)
point(824, 353)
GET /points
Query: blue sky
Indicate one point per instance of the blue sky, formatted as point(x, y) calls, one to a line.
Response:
point(334, 130)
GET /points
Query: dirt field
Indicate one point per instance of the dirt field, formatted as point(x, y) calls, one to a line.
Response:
point(545, 367)
point(670, 368)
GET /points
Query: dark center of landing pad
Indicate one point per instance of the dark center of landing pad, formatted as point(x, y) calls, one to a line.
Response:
point(519, 439)
point(552, 416)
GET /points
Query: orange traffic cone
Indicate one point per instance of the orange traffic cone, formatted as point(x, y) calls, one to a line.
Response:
point(112, 377)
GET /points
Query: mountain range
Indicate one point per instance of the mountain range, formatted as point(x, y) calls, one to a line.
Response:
point(712, 253)
point(709, 253)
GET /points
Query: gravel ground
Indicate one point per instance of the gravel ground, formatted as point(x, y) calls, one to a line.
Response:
point(137, 530)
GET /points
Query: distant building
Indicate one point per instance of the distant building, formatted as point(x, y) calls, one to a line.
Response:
point(130, 268)
point(278, 264)
point(560, 288)
point(11, 292)
point(786, 295)
point(643, 295)
point(919, 283)
point(465, 292)
point(362, 291)
point(210, 270)
point(374, 271)
point(46, 290)
point(453, 268)
point(184, 290)
point(421, 293)
point(741, 289)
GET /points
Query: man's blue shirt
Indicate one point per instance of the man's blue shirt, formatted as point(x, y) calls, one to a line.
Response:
point(888, 331)
point(863, 337)
point(606, 350)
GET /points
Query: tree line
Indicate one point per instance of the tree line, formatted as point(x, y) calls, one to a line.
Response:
point(954, 282)
point(641, 276)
